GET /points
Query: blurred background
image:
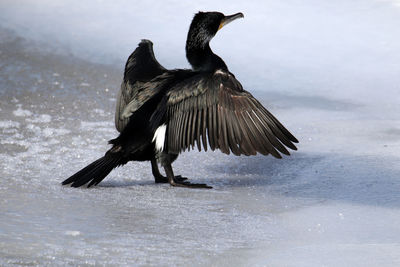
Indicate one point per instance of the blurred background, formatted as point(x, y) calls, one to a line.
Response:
point(329, 71)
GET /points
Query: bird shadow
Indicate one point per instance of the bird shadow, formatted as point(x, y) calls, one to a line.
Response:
point(363, 180)
point(290, 101)
point(357, 179)
point(125, 183)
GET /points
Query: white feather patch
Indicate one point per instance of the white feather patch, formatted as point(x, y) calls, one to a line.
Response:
point(159, 137)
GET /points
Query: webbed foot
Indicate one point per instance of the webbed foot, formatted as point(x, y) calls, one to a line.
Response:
point(163, 179)
point(183, 183)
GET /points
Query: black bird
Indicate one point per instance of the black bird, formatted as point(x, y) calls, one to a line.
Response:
point(161, 113)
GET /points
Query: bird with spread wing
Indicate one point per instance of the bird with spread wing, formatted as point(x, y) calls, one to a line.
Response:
point(161, 113)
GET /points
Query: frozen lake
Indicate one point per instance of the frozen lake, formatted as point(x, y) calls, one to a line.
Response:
point(328, 70)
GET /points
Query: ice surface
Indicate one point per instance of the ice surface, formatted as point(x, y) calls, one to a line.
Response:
point(329, 70)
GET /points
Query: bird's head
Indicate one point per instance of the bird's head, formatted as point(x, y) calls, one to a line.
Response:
point(205, 25)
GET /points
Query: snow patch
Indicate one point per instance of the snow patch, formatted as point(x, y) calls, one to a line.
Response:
point(99, 111)
point(95, 124)
point(9, 124)
point(72, 233)
point(19, 112)
point(43, 118)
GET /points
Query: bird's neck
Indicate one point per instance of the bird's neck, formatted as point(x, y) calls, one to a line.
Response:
point(202, 58)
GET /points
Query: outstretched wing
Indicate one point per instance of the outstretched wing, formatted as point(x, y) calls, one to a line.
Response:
point(140, 68)
point(215, 107)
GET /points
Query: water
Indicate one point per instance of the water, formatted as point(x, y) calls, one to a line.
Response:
point(328, 71)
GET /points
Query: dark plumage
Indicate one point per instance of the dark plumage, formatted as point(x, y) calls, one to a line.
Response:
point(161, 112)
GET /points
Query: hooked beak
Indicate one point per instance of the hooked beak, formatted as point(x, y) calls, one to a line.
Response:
point(230, 18)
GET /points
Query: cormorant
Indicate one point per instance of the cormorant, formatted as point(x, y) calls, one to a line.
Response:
point(161, 113)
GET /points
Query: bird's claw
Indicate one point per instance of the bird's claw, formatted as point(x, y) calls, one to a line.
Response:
point(187, 184)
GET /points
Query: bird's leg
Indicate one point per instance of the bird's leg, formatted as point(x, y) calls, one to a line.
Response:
point(156, 172)
point(158, 177)
point(175, 182)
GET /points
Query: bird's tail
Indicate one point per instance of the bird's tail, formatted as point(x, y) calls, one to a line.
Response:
point(96, 171)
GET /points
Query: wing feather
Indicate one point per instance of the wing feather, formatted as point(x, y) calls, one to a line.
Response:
point(178, 130)
point(247, 144)
point(223, 136)
point(184, 130)
point(273, 133)
point(189, 132)
point(204, 128)
point(198, 128)
point(232, 134)
point(193, 135)
point(213, 108)
point(265, 130)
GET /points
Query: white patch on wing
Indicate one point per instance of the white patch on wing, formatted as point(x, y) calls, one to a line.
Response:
point(159, 137)
point(220, 72)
